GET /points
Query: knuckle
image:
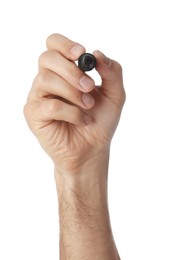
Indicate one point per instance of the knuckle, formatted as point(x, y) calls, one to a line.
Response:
point(121, 98)
point(53, 106)
point(76, 116)
point(68, 44)
point(25, 110)
point(118, 67)
point(41, 78)
point(42, 58)
point(45, 57)
point(51, 38)
point(75, 72)
point(57, 37)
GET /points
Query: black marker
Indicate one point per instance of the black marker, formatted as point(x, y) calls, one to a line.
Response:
point(86, 62)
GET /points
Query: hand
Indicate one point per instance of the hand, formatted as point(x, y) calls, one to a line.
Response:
point(72, 118)
point(74, 122)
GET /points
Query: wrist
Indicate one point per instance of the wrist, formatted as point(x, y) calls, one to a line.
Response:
point(89, 181)
point(78, 165)
point(89, 169)
point(83, 208)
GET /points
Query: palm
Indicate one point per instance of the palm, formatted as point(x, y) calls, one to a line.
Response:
point(71, 141)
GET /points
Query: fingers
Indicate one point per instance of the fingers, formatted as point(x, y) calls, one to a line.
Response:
point(60, 89)
point(57, 63)
point(60, 51)
point(48, 83)
point(54, 110)
point(69, 49)
point(112, 80)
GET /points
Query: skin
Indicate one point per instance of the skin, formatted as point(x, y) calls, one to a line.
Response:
point(74, 121)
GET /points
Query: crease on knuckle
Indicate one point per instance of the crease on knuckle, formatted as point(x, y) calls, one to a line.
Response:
point(75, 72)
point(68, 44)
point(53, 106)
point(42, 78)
point(46, 57)
point(42, 58)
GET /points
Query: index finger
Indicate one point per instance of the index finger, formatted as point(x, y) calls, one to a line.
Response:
point(68, 48)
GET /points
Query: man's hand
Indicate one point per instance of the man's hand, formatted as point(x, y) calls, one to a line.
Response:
point(71, 117)
point(74, 122)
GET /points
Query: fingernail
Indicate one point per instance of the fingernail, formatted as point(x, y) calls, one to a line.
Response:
point(105, 59)
point(88, 100)
point(77, 50)
point(87, 119)
point(86, 83)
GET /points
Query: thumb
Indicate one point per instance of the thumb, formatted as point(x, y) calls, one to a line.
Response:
point(112, 79)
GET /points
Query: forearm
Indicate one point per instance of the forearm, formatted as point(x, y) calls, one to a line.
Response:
point(85, 231)
point(72, 120)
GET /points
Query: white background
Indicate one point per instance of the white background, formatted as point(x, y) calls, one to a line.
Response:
point(138, 34)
